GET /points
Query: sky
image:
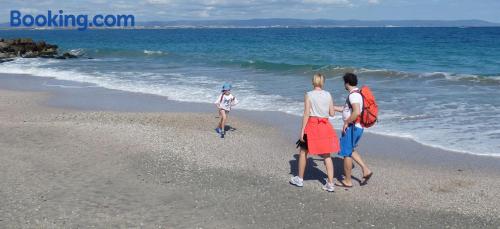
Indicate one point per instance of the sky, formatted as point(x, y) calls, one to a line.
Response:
point(165, 10)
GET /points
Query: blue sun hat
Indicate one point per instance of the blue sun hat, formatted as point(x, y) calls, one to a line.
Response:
point(226, 87)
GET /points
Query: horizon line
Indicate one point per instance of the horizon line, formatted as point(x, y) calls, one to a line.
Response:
point(314, 19)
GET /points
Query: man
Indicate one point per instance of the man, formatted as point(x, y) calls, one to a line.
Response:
point(352, 132)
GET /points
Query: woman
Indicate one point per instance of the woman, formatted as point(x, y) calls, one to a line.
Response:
point(317, 136)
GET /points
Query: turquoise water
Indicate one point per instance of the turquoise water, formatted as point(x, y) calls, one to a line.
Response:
point(439, 86)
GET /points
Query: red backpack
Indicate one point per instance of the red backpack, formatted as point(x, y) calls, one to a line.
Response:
point(369, 115)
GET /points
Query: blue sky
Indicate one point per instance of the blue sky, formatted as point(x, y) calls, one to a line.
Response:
point(161, 10)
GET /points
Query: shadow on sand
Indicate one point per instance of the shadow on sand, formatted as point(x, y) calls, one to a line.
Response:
point(313, 172)
point(229, 128)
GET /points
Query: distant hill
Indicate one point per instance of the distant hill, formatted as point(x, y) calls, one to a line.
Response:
point(298, 23)
point(278, 22)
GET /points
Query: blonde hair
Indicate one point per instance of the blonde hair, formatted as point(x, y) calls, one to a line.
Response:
point(318, 80)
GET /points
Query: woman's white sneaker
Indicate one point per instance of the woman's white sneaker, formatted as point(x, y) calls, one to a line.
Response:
point(297, 181)
point(329, 187)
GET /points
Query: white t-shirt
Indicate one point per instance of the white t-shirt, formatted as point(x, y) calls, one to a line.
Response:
point(226, 101)
point(320, 103)
point(354, 97)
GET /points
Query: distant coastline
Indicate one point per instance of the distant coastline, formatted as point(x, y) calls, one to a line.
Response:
point(293, 23)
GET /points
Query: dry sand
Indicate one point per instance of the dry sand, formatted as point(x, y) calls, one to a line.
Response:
point(64, 168)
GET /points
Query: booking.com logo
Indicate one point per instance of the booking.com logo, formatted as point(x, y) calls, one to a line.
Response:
point(62, 20)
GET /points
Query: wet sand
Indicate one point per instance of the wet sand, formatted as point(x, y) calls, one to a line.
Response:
point(73, 155)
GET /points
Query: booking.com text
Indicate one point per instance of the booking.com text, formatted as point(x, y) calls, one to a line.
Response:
point(61, 20)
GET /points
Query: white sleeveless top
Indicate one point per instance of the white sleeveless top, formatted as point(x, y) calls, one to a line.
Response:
point(320, 103)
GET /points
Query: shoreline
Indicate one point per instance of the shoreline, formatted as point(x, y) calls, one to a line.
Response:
point(161, 103)
point(75, 167)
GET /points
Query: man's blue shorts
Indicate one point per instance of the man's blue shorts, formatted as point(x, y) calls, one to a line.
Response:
point(349, 140)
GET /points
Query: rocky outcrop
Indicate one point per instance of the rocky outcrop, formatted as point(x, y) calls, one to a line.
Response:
point(27, 48)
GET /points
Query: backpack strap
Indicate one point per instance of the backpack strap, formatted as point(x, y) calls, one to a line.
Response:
point(348, 101)
point(358, 119)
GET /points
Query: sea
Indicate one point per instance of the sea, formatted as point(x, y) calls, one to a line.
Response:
point(437, 86)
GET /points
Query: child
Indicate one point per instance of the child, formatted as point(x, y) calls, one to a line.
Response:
point(224, 102)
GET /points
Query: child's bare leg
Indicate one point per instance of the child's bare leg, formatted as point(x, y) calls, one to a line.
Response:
point(223, 117)
point(220, 122)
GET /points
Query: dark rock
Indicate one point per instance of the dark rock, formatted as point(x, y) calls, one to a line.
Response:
point(69, 55)
point(27, 48)
point(49, 51)
point(30, 54)
point(3, 44)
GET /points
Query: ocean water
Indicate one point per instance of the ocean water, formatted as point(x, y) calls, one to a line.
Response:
point(438, 86)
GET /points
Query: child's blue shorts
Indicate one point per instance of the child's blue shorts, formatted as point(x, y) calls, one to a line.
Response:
point(349, 140)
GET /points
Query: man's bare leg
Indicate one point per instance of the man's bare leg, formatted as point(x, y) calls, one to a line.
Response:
point(347, 171)
point(364, 168)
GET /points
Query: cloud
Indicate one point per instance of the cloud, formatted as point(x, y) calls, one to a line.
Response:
point(193, 9)
point(328, 2)
point(240, 9)
point(206, 12)
point(158, 1)
point(29, 11)
point(158, 10)
point(305, 3)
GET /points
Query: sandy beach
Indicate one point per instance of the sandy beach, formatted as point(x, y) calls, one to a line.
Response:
point(80, 157)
